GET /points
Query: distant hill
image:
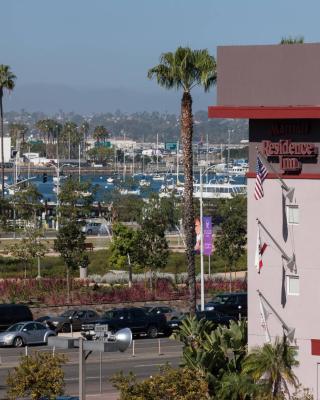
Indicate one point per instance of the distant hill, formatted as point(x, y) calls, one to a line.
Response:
point(144, 126)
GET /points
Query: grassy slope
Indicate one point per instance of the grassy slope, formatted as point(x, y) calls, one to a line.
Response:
point(53, 266)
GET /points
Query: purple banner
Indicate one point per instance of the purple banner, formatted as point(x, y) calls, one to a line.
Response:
point(207, 236)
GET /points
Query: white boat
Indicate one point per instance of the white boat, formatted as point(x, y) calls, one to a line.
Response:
point(144, 183)
point(239, 170)
point(158, 177)
point(61, 177)
point(214, 190)
point(83, 194)
point(124, 192)
point(110, 180)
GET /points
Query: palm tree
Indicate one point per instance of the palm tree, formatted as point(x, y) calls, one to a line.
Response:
point(272, 365)
point(84, 130)
point(100, 134)
point(184, 69)
point(71, 135)
point(7, 79)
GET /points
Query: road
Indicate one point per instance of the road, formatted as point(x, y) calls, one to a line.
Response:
point(146, 361)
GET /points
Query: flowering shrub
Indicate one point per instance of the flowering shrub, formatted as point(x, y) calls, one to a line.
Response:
point(52, 291)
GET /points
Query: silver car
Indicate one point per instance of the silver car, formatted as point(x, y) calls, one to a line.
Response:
point(25, 333)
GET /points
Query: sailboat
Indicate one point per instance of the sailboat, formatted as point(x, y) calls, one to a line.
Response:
point(157, 176)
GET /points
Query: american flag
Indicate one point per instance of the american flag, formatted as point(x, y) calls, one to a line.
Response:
point(261, 176)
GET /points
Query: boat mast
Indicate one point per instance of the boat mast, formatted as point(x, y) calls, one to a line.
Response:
point(157, 153)
point(177, 162)
point(228, 159)
point(79, 164)
point(207, 158)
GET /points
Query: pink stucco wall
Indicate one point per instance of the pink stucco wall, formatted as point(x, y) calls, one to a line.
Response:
point(300, 312)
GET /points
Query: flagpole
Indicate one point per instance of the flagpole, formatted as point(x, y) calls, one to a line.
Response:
point(289, 260)
point(290, 331)
point(288, 189)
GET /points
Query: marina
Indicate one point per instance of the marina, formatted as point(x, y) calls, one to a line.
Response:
point(105, 187)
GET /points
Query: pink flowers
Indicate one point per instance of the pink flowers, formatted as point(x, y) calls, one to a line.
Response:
point(52, 291)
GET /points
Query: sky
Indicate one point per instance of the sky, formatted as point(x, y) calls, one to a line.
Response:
point(93, 55)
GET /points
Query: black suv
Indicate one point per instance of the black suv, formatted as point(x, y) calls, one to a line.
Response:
point(12, 313)
point(233, 304)
point(135, 318)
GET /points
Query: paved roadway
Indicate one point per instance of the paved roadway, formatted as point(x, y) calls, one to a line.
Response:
point(144, 363)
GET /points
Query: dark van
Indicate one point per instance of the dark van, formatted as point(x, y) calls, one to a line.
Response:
point(12, 313)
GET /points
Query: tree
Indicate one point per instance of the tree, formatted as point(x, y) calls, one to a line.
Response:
point(152, 246)
point(39, 376)
point(184, 69)
point(17, 132)
point(100, 134)
point(292, 40)
point(7, 82)
point(126, 208)
point(164, 211)
point(75, 199)
point(272, 365)
point(5, 210)
point(171, 384)
point(29, 247)
point(50, 130)
point(230, 244)
point(215, 352)
point(70, 243)
point(100, 154)
point(26, 200)
point(84, 131)
point(124, 248)
point(71, 136)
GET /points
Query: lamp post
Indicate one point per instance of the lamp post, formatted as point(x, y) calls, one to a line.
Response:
point(201, 238)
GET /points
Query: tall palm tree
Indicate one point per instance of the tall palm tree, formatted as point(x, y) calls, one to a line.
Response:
point(84, 130)
point(184, 69)
point(272, 365)
point(7, 79)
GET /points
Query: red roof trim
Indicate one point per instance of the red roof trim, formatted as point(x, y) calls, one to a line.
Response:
point(251, 112)
point(274, 176)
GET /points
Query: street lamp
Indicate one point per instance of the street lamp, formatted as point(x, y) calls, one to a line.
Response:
point(201, 238)
point(106, 342)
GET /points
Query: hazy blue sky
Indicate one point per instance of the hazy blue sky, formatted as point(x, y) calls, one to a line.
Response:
point(65, 47)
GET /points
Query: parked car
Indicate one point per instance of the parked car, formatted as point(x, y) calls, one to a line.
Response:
point(169, 312)
point(94, 228)
point(234, 304)
point(175, 323)
point(135, 318)
point(214, 316)
point(72, 317)
point(43, 319)
point(12, 313)
point(25, 333)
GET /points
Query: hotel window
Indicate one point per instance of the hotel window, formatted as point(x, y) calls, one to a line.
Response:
point(293, 286)
point(293, 214)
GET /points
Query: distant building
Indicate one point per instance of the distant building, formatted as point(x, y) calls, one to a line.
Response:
point(6, 148)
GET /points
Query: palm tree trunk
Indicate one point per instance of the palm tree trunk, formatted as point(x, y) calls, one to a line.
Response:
point(188, 218)
point(2, 135)
point(276, 387)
